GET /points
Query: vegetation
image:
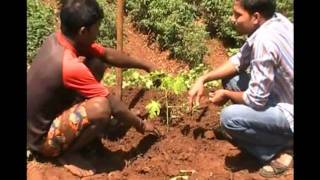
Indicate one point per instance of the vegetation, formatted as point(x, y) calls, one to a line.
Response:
point(171, 23)
point(286, 8)
point(170, 84)
point(40, 24)
point(217, 14)
point(107, 35)
point(181, 26)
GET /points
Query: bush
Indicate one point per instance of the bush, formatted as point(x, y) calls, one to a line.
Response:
point(163, 17)
point(40, 24)
point(217, 14)
point(132, 78)
point(169, 22)
point(107, 36)
point(191, 46)
point(286, 8)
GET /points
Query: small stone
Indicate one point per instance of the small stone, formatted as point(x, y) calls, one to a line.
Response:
point(144, 170)
point(209, 135)
point(190, 149)
point(114, 175)
point(172, 172)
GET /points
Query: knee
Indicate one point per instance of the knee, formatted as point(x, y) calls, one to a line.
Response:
point(230, 117)
point(225, 117)
point(98, 109)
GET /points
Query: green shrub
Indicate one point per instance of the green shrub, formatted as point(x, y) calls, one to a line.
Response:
point(164, 18)
point(191, 46)
point(132, 78)
point(107, 36)
point(217, 14)
point(169, 22)
point(286, 8)
point(40, 24)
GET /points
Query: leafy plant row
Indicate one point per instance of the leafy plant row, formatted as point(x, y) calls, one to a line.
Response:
point(40, 23)
point(164, 18)
point(173, 24)
point(168, 83)
point(217, 14)
point(159, 80)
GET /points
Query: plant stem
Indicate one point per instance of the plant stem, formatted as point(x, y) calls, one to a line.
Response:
point(175, 106)
point(167, 107)
point(161, 98)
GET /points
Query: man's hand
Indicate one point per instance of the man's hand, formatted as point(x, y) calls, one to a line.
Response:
point(218, 97)
point(197, 90)
point(149, 128)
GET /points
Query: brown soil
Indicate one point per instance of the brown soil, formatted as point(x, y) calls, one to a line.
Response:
point(189, 144)
point(217, 53)
point(138, 46)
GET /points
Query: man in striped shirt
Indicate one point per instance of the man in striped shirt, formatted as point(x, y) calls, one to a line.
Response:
point(259, 81)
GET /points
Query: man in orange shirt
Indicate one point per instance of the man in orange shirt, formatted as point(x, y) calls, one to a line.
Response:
point(67, 107)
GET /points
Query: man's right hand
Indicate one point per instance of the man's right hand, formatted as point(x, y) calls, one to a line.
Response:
point(197, 90)
point(149, 128)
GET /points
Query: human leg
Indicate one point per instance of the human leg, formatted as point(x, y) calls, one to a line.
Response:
point(74, 129)
point(262, 133)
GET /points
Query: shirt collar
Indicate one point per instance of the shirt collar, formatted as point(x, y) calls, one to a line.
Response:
point(65, 42)
point(252, 38)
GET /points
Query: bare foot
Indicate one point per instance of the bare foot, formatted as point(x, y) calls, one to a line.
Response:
point(77, 165)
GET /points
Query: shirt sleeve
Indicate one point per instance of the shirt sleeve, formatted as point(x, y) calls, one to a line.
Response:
point(78, 77)
point(97, 50)
point(241, 60)
point(262, 75)
point(235, 60)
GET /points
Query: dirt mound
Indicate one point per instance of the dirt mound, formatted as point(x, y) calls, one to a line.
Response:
point(188, 144)
point(138, 46)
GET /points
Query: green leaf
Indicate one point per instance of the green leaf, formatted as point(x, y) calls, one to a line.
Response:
point(167, 83)
point(40, 24)
point(153, 109)
point(149, 84)
point(179, 85)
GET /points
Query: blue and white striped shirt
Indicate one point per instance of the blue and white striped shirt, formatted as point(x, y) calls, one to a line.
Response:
point(268, 55)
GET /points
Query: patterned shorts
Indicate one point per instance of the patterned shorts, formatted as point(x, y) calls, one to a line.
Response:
point(64, 130)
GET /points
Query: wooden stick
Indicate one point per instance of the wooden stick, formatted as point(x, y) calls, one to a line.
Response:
point(119, 26)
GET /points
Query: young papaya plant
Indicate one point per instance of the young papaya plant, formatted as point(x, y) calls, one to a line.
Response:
point(153, 109)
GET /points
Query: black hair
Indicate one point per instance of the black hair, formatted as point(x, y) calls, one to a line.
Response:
point(265, 7)
point(77, 13)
